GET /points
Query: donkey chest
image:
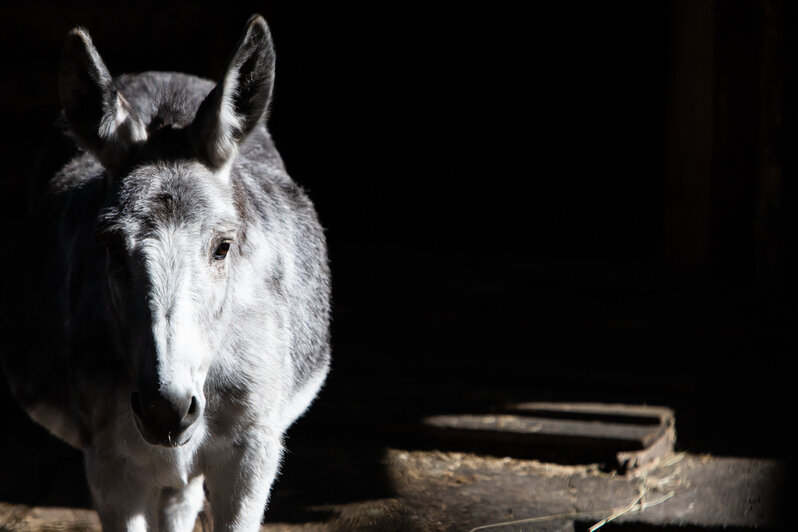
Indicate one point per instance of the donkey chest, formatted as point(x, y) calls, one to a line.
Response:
point(161, 467)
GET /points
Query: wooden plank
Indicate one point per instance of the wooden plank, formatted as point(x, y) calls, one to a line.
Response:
point(536, 429)
point(629, 435)
point(663, 445)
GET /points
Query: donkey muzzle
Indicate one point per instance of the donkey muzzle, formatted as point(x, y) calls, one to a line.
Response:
point(165, 418)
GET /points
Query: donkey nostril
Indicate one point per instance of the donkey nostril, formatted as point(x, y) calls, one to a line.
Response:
point(192, 408)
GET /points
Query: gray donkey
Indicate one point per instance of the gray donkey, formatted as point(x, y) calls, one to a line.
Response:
point(177, 294)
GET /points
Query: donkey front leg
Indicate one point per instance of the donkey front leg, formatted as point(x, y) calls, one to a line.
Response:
point(239, 480)
point(178, 508)
point(124, 503)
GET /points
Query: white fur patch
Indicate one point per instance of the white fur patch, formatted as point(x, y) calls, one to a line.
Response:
point(302, 398)
point(179, 341)
point(229, 121)
point(223, 174)
point(119, 126)
point(56, 423)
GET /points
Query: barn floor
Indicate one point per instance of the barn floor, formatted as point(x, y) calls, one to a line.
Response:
point(348, 481)
point(433, 491)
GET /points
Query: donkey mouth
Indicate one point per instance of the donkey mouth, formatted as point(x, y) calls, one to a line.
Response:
point(163, 437)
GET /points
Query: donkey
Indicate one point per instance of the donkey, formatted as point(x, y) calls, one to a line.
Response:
point(177, 293)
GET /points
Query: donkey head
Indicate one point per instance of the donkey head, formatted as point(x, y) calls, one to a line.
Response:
point(172, 228)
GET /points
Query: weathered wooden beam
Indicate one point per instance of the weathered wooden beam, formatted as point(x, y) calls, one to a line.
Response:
point(633, 435)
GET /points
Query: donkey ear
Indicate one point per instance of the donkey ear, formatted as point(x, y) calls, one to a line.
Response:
point(100, 117)
point(238, 103)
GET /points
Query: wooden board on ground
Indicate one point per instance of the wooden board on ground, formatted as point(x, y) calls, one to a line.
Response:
point(622, 436)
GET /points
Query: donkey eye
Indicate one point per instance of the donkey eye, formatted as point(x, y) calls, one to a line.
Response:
point(221, 251)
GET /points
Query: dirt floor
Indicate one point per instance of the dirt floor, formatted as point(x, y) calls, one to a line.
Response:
point(437, 491)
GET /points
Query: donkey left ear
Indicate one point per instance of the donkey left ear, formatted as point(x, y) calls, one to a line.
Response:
point(102, 120)
point(238, 103)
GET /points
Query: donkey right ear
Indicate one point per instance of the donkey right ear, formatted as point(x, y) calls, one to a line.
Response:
point(100, 117)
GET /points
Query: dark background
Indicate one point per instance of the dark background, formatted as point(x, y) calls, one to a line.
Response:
point(574, 202)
